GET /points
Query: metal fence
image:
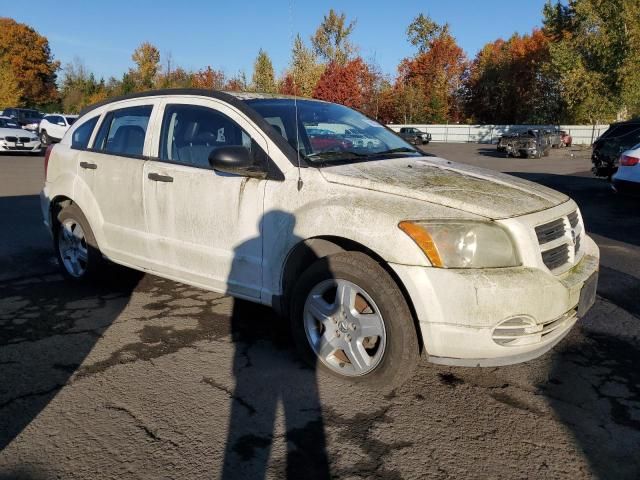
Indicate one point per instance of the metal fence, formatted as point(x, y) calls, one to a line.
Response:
point(582, 134)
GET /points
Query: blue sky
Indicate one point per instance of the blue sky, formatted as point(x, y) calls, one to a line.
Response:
point(227, 35)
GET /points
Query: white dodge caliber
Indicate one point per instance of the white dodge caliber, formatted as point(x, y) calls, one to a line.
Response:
point(376, 253)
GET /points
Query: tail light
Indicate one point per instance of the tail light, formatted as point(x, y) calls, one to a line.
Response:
point(47, 154)
point(628, 161)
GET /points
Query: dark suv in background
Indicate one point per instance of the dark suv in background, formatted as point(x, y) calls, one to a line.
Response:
point(415, 136)
point(24, 116)
point(607, 148)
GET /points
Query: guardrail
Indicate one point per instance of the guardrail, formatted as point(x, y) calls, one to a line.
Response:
point(455, 133)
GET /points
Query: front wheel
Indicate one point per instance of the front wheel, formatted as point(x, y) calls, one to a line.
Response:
point(44, 138)
point(350, 319)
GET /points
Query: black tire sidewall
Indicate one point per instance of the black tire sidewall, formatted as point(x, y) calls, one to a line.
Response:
point(95, 260)
point(401, 350)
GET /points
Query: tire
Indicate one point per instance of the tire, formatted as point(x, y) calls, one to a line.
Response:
point(75, 247)
point(392, 355)
point(45, 139)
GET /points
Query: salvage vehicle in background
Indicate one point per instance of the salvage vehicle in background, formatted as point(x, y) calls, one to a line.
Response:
point(553, 137)
point(15, 139)
point(375, 258)
point(53, 127)
point(530, 144)
point(415, 136)
point(627, 177)
point(505, 142)
point(609, 146)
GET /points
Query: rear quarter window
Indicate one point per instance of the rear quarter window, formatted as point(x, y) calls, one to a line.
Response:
point(82, 134)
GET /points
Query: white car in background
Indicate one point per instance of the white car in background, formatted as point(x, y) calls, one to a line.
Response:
point(54, 126)
point(14, 139)
point(627, 178)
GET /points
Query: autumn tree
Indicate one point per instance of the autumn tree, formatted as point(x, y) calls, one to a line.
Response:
point(304, 70)
point(344, 84)
point(429, 83)
point(263, 79)
point(147, 60)
point(209, 78)
point(331, 40)
point(237, 83)
point(10, 93)
point(27, 55)
point(594, 57)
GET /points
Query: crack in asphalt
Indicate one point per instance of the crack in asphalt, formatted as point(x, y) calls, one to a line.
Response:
point(140, 423)
point(211, 382)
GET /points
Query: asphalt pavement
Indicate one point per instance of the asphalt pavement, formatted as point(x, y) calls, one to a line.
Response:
point(141, 377)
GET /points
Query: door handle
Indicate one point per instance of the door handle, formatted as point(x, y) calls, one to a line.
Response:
point(87, 165)
point(156, 177)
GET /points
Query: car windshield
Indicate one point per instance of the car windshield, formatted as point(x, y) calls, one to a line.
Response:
point(7, 123)
point(330, 133)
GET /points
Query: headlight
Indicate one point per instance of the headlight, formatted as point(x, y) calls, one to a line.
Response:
point(460, 244)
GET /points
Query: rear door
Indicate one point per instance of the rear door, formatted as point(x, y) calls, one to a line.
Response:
point(113, 168)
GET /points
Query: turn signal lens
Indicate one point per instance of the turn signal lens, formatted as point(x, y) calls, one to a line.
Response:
point(423, 240)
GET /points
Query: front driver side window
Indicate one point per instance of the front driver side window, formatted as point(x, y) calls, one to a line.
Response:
point(191, 132)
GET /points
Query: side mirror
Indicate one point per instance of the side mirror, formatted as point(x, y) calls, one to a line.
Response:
point(238, 161)
point(62, 124)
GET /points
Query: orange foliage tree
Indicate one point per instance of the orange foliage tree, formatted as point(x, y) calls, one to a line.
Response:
point(209, 78)
point(27, 54)
point(507, 81)
point(435, 74)
point(344, 83)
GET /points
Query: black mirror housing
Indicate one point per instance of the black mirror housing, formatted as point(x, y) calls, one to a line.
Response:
point(238, 161)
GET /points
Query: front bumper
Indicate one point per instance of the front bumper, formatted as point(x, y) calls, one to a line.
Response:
point(34, 146)
point(459, 310)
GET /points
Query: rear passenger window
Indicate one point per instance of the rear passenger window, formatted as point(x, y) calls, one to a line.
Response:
point(82, 134)
point(123, 131)
point(190, 133)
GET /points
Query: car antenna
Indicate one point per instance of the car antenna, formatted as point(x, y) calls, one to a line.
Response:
point(295, 96)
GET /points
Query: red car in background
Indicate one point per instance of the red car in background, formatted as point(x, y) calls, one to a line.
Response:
point(321, 143)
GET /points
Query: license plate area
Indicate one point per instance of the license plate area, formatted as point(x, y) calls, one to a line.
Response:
point(588, 295)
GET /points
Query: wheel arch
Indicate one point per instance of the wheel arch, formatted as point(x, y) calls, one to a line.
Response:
point(306, 252)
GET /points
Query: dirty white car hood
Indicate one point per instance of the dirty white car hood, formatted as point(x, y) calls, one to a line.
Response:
point(436, 180)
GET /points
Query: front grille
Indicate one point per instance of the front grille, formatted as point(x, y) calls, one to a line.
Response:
point(550, 231)
point(18, 139)
point(560, 241)
point(556, 257)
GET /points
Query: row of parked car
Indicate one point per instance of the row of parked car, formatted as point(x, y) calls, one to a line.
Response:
point(27, 130)
point(533, 143)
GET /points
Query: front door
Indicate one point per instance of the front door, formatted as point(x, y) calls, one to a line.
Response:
point(204, 226)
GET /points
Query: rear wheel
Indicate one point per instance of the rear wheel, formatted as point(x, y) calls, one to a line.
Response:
point(76, 248)
point(350, 319)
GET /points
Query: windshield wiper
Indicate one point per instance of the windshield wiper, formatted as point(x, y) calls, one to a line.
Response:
point(396, 150)
point(321, 156)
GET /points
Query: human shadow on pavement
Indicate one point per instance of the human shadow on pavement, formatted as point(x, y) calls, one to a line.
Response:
point(266, 383)
point(47, 328)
